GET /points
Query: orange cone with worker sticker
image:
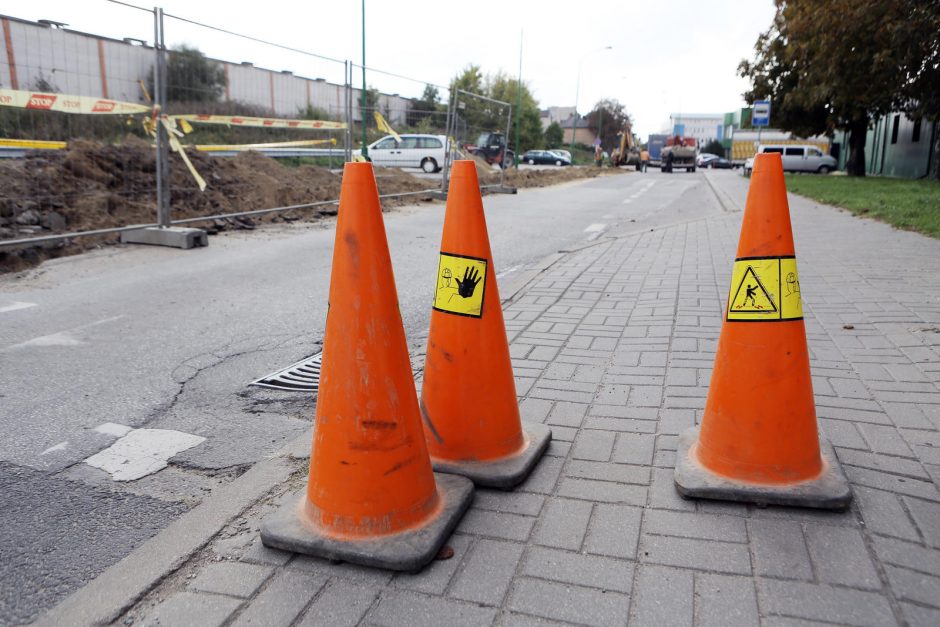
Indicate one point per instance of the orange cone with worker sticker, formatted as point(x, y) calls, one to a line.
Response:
point(468, 400)
point(758, 440)
point(371, 497)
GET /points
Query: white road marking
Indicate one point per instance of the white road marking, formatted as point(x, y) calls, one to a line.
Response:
point(627, 201)
point(142, 452)
point(113, 428)
point(62, 338)
point(500, 275)
point(15, 305)
point(595, 228)
point(61, 446)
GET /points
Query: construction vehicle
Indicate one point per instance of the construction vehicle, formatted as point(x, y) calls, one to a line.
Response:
point(492, 147)
point(627, 151)
point(679, 152)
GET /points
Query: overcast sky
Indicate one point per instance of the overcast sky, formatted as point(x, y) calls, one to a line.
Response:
point(665, 57)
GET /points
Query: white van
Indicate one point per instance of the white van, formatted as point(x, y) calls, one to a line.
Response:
point(413, 151)
point(797, 158)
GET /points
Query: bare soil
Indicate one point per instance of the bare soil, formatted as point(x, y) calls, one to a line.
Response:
point(92, 185)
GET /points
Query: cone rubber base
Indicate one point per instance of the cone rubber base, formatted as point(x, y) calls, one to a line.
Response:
point(828, 491)
point(507, 472)
point(288, 529)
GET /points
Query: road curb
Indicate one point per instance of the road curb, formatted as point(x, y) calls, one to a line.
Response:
point(725, 200)
point(122, 585)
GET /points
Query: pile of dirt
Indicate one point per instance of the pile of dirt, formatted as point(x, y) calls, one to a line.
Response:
point(542, 177)
point(91, 185)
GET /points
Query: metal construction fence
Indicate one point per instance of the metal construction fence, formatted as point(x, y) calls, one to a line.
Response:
point(106, 134)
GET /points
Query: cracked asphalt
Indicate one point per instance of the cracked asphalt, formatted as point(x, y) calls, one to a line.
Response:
point(168, 339)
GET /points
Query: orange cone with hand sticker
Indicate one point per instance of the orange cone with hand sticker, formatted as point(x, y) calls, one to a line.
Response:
point(759, 441)
point(468, 400)
point(371, 496)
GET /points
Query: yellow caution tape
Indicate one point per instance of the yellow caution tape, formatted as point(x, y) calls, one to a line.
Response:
point(178, 148)
point(230, 147)
point(237, 120)
point(383, 126)
point(32, 144)
point(40, 101)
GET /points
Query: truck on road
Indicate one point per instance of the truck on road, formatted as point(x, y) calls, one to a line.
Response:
point(679, 152)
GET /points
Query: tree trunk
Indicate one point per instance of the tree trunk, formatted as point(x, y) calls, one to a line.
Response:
point(936, 151)
point(858, 130)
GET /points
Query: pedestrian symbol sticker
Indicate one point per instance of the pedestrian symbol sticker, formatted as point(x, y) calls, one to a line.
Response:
point(461, 283)
point(765, 289)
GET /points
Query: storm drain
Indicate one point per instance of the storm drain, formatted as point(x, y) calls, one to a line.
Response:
point(304, 376)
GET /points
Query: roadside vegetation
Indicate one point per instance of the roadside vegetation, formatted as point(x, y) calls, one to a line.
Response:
point(913, 205)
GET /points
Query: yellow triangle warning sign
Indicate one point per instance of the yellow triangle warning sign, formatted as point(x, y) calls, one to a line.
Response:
point(750, 296)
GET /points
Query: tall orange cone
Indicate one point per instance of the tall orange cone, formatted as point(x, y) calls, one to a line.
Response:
point(468, 401)
point(371, 497)
point(758, 440)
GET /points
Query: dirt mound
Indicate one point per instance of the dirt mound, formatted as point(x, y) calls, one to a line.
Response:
point(91, 185)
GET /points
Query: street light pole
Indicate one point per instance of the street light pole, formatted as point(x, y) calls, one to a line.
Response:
point(577, 93)
point(362, 101)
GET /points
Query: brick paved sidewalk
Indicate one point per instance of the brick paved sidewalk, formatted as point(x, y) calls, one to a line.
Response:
point(613, 346)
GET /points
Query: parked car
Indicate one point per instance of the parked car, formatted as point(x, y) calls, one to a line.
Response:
point(533, 157)
point(563, 153)
point(797, 158)
point(719, 163)
point(413, 151)
point(703, 158)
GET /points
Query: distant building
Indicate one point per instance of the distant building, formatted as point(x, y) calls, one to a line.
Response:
point(555, 114)
point(704, 127)
point(896, 146)
point(565, 117)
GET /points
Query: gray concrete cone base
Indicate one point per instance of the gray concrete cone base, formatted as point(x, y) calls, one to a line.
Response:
point(503, 473)
point(829, 491)
point(288, 529)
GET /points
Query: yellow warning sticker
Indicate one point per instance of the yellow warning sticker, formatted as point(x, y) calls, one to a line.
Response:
point(765, 289)
point(461, 282)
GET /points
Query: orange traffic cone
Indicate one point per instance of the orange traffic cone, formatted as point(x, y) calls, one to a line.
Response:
point(759, 440)
point(371, 497)
point(471, 414)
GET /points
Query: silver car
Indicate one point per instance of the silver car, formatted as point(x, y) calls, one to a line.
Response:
point(797, 158)
point(413, 151)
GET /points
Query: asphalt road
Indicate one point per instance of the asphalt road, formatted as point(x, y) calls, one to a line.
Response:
point(168, 339)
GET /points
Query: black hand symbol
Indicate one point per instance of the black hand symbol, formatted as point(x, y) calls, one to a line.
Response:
point(471, 276)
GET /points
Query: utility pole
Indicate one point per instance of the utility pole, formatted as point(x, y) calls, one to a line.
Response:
point(518, 102)
point(362, 101)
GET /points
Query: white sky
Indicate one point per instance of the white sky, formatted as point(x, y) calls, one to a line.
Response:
point(666, 56)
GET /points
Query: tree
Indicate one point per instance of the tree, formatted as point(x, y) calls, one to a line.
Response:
point(554, 135)
point(714, 147)
point(840, 64)
point(421, 111)
point(607, 119)
point(192, 77)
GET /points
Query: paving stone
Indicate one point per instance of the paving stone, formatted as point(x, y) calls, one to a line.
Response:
point(535, 409)
point(434, 577)
point(819, 602)
point(408, 608)
point(187, 609)
point(843, 434)
point(574, 604)
point(920, 616)
point(257, 553)
point(579, 569)
point(352, 572)
point(593, 445)
point(496, 525)
point(892, 483)
point(231, 578)
point(614, 530)
point(779, 549)
point(663, 597)
point(883, 513)
point(913, 586)
point(634, 448)
point(911, 555)
point(487, 572)
point(509, 502)
point(725, 601)
point(840, 556)
point(927, 518)
point(545, 476)
point(342, 603)
point(884, 439)
point(885, 463)
point(282, 600)
point(567, 414)
point(603, 491)
point(702, 526)
point(663, 494)
point(605, 471)
point(563, 523)
point(720, 557)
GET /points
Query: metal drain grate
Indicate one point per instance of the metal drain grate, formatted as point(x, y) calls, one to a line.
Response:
point(304, 376)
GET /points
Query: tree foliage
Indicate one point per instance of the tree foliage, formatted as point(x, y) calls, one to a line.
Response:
point(423, 111)
point(714, 147)
point(192, 77)
point(606, 120)
point(481, 115)
point(554, 135)
point(840, 64)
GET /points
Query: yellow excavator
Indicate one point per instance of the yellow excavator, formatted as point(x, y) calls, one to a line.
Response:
point(627, 151)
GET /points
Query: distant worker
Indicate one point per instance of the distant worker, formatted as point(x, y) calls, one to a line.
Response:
point(644, 159)
point(598, 155)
